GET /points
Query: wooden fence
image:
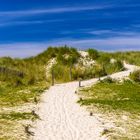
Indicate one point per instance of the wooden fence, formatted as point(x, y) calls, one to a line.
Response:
point(5, 70)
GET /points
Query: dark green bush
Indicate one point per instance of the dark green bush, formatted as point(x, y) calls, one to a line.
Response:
point(132, 57)
point(61, 73)
point(135, 76)
point(104, 59)
point(114, 67)
point(93, 54)
point(108, 80)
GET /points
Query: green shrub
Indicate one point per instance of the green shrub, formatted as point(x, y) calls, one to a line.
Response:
point(135, 76)
point(61, 73)
point(67, 56)
point(104, 59)
point(78, 73)
point(114, 67)
point(108, 80)
point(132, 57)
point(124, 96)
point(93, 54)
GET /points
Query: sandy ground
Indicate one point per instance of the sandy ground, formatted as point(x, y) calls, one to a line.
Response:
point(63, 119)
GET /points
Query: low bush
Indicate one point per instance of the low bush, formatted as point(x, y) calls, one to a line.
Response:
point(113, 96)
point(135, 76)
point(114, 67)
point(93, 54)
point(108, 80)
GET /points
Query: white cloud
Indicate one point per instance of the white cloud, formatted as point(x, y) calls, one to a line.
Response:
point(113, 32)
point(33, 48)
point(21, 49)
point(14, 23)
point(8, 18)
point(109, 44)
point(50, 11)
point(99, 32)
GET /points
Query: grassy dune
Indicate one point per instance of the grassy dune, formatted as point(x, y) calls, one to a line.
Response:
point(114, 96)
point(21, 82)
point(118, 103)
point(71, 60)
point(132, 57)
point(24, 80)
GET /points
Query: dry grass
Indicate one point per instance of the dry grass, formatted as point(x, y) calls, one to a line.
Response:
point(16, 111)
point(117, 106)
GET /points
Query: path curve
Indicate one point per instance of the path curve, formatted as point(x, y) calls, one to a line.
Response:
point(63, 119)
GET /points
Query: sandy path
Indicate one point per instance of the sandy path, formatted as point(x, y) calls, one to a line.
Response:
point(63, 119)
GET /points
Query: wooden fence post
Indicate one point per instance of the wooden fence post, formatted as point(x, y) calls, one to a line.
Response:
point(70, 72)
point(79, 82)
point(52, 76)
point(99, 77)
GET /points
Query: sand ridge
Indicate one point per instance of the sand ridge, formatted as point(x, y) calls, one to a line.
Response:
point(62, 118)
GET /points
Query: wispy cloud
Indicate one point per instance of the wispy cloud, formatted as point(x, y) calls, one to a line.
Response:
point(14, 23)
point(9, 18)
point(22, 49)
point(109, 44)
point(135, 25)
point(113, 42)
point(57, 10)
point(113, 32)
point(105, 33)
point(50, 11)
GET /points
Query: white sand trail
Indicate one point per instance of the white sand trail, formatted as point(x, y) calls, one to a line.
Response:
point(63, 119)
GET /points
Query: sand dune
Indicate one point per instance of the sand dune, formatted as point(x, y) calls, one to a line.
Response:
point(63, 119)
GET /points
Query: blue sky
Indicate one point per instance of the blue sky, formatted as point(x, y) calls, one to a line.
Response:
point(27, 27)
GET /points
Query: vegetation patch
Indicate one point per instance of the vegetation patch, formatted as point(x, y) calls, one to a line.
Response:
point(123, 96)
point(131, 57)
point(135, 76)
point(12, 130)
point(69, 67)
point(17, 96)
point(117, 103)
point(17, 116)
point(23, 81)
